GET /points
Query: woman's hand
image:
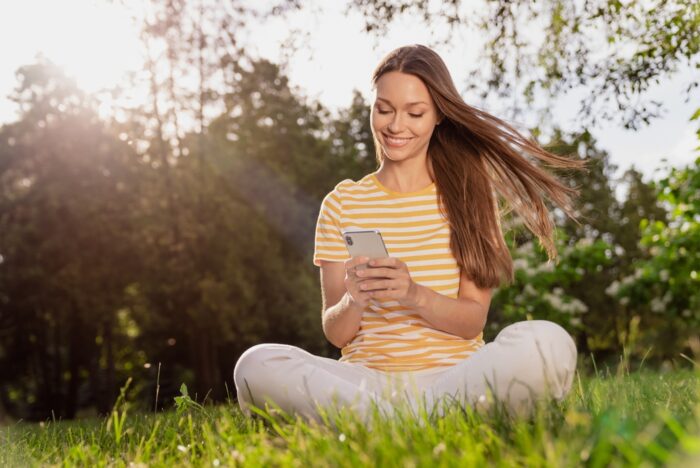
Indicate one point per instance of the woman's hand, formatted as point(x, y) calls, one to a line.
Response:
point(395, 283)
point(353, 282)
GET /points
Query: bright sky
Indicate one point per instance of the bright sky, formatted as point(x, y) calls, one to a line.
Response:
point(96, 43)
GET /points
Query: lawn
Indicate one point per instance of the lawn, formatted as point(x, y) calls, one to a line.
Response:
point(643, 418)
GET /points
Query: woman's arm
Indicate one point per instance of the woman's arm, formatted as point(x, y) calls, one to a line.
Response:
point(342, 321)
point(341, 315)
point(464, 316)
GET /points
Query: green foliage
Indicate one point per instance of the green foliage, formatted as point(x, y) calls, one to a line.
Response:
point(640, 418)
point(540, 287)
point(615, 50)
point(668, 283)
point(67, 240)
point(184, 402)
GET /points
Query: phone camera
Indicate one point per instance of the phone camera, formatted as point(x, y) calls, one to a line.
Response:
point(349, 240)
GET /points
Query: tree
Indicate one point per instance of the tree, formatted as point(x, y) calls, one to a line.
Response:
point(615, 49)
point(67, 187)
point(666, 280)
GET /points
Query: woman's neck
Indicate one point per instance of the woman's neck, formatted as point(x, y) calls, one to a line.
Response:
point(402, 178)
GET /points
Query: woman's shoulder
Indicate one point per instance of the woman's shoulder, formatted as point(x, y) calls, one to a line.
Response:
point(349, 186)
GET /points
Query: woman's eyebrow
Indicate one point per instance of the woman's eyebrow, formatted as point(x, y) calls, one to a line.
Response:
point(410, 103)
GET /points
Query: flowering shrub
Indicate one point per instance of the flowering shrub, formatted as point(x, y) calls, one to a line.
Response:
point(540, 287)
point(668, 283)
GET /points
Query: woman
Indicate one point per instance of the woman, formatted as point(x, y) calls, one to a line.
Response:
point(417, 317)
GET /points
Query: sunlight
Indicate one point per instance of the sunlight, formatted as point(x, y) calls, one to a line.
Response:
point(95, 41)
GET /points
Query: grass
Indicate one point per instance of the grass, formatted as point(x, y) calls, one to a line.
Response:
point(643, 418)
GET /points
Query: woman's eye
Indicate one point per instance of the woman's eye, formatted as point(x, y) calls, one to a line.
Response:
point(415, 116)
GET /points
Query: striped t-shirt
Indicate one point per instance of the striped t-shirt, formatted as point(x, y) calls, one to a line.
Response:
point(392, 337)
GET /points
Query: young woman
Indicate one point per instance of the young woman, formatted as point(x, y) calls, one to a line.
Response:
point(417, 317)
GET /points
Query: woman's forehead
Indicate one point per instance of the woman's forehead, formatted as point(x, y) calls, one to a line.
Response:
point(397, 88)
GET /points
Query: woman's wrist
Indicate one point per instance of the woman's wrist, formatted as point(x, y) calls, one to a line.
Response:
point(419, 297)
point(352, 304)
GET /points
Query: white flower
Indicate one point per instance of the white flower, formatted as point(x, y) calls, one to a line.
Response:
point(520, 264)
point(577, 306)
point(529, 290)
point(554, 301)
point(585, 242)
point(657, 305)
point(525, 248)
point(627, 280)
point(613, 288)
point(625, 300)
point(663, 274)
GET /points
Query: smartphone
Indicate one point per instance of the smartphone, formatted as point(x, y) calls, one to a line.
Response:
point(365, 243)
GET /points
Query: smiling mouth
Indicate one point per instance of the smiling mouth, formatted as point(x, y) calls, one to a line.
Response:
point(396, 141)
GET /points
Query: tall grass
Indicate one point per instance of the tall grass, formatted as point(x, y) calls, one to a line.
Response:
point(608, 419)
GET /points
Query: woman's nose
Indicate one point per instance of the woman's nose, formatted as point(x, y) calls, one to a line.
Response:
point(396, 123)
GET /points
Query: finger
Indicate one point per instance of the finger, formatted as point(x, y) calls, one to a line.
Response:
point(357, 260)
point(378, 272)
point(353, 262)
point(390, 262)
point(383, 294)
point(376, 284)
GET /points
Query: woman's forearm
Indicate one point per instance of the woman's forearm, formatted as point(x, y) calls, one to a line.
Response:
point(462, 317)
point(342, 321)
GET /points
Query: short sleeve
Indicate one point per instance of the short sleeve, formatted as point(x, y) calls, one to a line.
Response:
point(329, 244)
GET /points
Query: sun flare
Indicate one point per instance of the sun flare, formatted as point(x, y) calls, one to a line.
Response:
point(96, 42)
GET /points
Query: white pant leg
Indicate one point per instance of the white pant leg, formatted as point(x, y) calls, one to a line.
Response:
point(527, 360)
point(296, 380)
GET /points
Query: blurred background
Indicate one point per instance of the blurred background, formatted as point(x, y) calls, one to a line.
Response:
point(162, 164)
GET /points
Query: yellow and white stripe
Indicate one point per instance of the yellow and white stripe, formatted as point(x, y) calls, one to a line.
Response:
point(392, 337)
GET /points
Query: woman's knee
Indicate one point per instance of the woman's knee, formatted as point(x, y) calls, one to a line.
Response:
point(559, 342)
point(254, 358)
point(549, 342)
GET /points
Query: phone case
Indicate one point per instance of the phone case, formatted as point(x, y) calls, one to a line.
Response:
point(365, 243)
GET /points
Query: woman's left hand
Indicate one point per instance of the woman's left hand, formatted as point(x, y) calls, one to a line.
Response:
point(393, 281)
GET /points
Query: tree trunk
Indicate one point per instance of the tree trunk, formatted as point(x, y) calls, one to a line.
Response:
point(110, 390)
point(207, 375)
point(74, 361)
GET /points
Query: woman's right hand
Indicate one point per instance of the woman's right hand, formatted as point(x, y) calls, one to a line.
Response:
point(352, 281)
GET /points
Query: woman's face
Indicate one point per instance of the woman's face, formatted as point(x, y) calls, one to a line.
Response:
point(404, 110)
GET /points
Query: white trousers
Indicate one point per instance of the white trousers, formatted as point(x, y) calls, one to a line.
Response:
point(527, 361)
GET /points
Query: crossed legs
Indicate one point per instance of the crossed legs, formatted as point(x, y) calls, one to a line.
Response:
point(526, 361)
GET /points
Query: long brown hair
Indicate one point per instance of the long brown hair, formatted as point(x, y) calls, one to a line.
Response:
point(471, 153)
